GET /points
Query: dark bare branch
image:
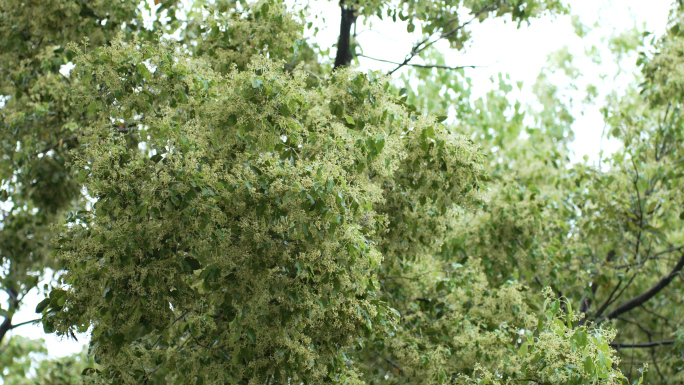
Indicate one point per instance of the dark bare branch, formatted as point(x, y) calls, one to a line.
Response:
point(620, 345)
point(645, 296)
point(612, 299)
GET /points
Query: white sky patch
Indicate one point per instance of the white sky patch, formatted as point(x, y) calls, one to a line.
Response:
point(65, 69)
point(149, 13)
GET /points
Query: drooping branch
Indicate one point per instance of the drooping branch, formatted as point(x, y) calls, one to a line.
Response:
point(344, 53)
point(645, 296)
point(653, 344)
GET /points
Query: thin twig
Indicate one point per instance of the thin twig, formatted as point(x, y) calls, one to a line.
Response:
point(662, 378)
point(25, 323)
point(311, 74)
point(660, 316)
point(620, 293)
point(640, 326)
point(395, 365)
point(610, 297)
point(638, 345)
point(174, 321)
point(422, 65)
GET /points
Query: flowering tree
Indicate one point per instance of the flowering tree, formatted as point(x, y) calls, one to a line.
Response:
point(226, 206)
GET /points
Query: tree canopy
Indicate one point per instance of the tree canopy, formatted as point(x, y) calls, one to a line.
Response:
point(217, 201)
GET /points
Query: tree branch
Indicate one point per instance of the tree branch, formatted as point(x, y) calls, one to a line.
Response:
point(648, 294)
point(612, 300)
point(653, 344)
point(5, 327)
point(640, 326)
point(174, 321)
point(422, 65)
point(426, 43)
point(25, 323)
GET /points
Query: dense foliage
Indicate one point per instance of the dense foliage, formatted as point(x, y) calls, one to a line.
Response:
point(227, 205)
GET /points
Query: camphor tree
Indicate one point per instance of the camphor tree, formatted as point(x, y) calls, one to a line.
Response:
point(228, 206)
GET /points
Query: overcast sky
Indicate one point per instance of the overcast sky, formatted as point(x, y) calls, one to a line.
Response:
point(498, 46)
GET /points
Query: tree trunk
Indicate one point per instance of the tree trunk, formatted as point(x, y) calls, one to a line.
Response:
point(6, 325)
point(344, 53)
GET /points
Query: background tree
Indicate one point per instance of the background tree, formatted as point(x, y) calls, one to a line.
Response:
point(596, 235)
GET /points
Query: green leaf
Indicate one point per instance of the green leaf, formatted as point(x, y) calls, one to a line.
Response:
point(92, 108)
point(589, 366)
point(83, 176)
point(144, 71)
point(580, 338)
point(191, 263)
point(430, 132)
point(559, 326)
point(232, 120)
point(57, 293)
point(379, 143)
point(42, 305)
point(235, 331)
point(257, 82)
point(523, 349)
